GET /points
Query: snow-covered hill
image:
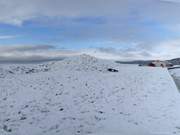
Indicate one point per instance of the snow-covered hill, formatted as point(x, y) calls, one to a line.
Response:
point(78, 96)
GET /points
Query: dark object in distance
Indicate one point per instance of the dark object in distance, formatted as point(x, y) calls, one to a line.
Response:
point(112, 70)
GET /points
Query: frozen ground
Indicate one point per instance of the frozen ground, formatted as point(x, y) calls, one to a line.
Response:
point(78, 96)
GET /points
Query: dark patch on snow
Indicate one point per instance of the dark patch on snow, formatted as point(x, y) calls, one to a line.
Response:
point(112, 70)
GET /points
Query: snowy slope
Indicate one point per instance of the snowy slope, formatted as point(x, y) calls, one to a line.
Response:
point(176, 76)
point(78, 96)
point(175, 72)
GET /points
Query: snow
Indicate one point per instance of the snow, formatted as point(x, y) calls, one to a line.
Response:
point(175, 72)
point(176, 76)
point(78, 96)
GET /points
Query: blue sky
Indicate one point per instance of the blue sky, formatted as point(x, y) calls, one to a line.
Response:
point(83, 32)
point(139, 29)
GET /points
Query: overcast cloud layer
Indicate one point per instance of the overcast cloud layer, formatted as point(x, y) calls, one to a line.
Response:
point(127, 29)
point(17, 11)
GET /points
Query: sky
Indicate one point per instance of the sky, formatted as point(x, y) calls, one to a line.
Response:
point(111, 29)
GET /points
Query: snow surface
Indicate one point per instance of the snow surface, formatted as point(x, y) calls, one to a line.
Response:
point(175, 72)
point(176, 76)
point(78, 96)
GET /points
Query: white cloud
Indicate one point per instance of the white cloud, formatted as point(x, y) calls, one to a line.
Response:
point(17, 11)
point(23, 53)
point(114, 54)
point(167, 49)
point(7, 36)
point(164, 50)
point(173, 1)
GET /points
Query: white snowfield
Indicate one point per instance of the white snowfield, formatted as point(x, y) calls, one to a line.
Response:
point(78, 96)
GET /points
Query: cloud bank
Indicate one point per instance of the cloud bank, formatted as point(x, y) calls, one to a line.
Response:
point(33, 53)
point(40, 53)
